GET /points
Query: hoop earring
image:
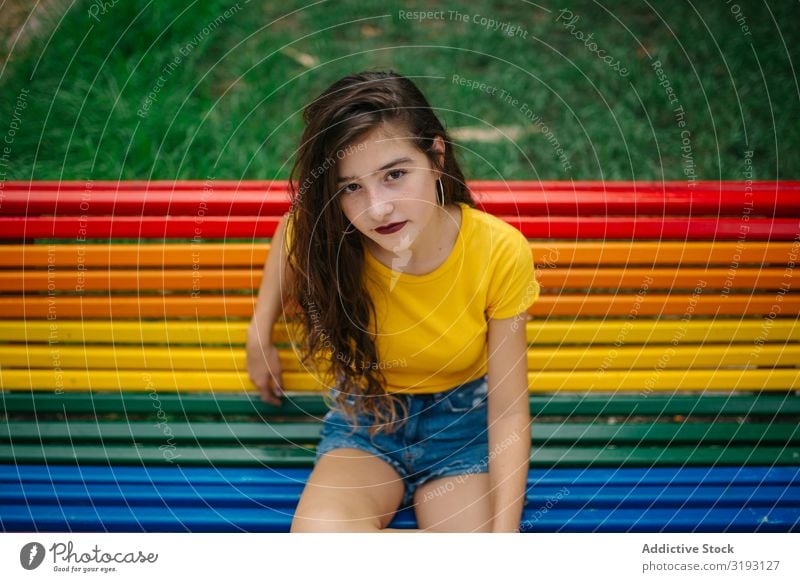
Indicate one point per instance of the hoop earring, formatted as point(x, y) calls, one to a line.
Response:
point(348, 231)
point(439, 192)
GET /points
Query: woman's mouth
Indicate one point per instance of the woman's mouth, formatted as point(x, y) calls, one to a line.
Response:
point(392, 228)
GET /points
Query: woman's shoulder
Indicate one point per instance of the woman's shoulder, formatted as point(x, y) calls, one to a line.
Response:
point(491, 228)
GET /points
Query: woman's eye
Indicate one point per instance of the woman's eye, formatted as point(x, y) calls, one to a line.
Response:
point(398, 173)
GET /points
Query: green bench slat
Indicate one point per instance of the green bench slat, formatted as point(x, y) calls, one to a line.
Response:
point(295, 455)
point(312, 404)
point(185, 433)
point(263, 432)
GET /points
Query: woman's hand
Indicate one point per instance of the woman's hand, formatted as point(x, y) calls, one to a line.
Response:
point(264, 369)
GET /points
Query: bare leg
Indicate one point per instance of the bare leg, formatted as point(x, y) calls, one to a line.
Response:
point(456, 503)
point(350, 490)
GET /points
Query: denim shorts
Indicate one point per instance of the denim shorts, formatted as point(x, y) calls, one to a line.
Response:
point(446, 434)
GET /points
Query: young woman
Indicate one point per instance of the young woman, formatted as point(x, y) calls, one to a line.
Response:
point(412, 305)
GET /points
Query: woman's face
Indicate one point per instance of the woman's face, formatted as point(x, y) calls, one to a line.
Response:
point(384, 179)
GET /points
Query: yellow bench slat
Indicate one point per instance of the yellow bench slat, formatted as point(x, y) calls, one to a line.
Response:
point(564, 304)
point(596, 357)
point(211, 279)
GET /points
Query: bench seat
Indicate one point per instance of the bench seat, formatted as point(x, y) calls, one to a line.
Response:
point(85, 498)
point(663, 363)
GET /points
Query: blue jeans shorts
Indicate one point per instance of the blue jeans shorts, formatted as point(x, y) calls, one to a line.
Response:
point(446, 434)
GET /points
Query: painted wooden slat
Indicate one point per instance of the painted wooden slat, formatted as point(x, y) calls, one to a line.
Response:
point(187, 404)
point(751, 280)
point(266, 477)
point(550, 253)
point(298, 456)
point(654, 520)
point(542, 226)
point(84, 518)
point(146, 280)
point(640, 381)
point(563, 253)
point(287, 493)
point(229, 358)
point(540, 332)
point(263, 431)
point(232, 305)
point(266, 520)
point(148, 255)
point(524, 197)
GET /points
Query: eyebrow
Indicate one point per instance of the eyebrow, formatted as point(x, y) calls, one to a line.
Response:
point(384, 167)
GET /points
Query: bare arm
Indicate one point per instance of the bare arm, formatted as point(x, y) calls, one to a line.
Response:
point(263, 363)
point(274, 284)
point(509, 422)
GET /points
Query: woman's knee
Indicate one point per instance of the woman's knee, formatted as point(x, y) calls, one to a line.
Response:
point(330, 518)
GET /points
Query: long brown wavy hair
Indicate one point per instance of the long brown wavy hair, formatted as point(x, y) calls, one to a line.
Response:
point(335, 311)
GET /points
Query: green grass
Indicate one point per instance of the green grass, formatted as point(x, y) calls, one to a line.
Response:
point(231, 107)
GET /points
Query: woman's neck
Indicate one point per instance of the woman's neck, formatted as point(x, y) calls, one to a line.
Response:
point(430, 250)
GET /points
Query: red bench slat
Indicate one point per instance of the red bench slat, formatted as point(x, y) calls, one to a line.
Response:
point(544, 227)
point(272, 199)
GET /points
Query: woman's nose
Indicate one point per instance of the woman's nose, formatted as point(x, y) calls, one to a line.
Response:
point(378, 205)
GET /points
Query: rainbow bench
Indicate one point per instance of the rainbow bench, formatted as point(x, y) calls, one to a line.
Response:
point(663, 362)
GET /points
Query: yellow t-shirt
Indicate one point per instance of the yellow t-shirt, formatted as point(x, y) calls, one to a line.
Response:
point(432, 328)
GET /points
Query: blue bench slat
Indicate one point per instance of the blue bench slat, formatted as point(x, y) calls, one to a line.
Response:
point(720, 520)
point(105, 518)
point(101, 518)
point(784, 475)
point(287, 494)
